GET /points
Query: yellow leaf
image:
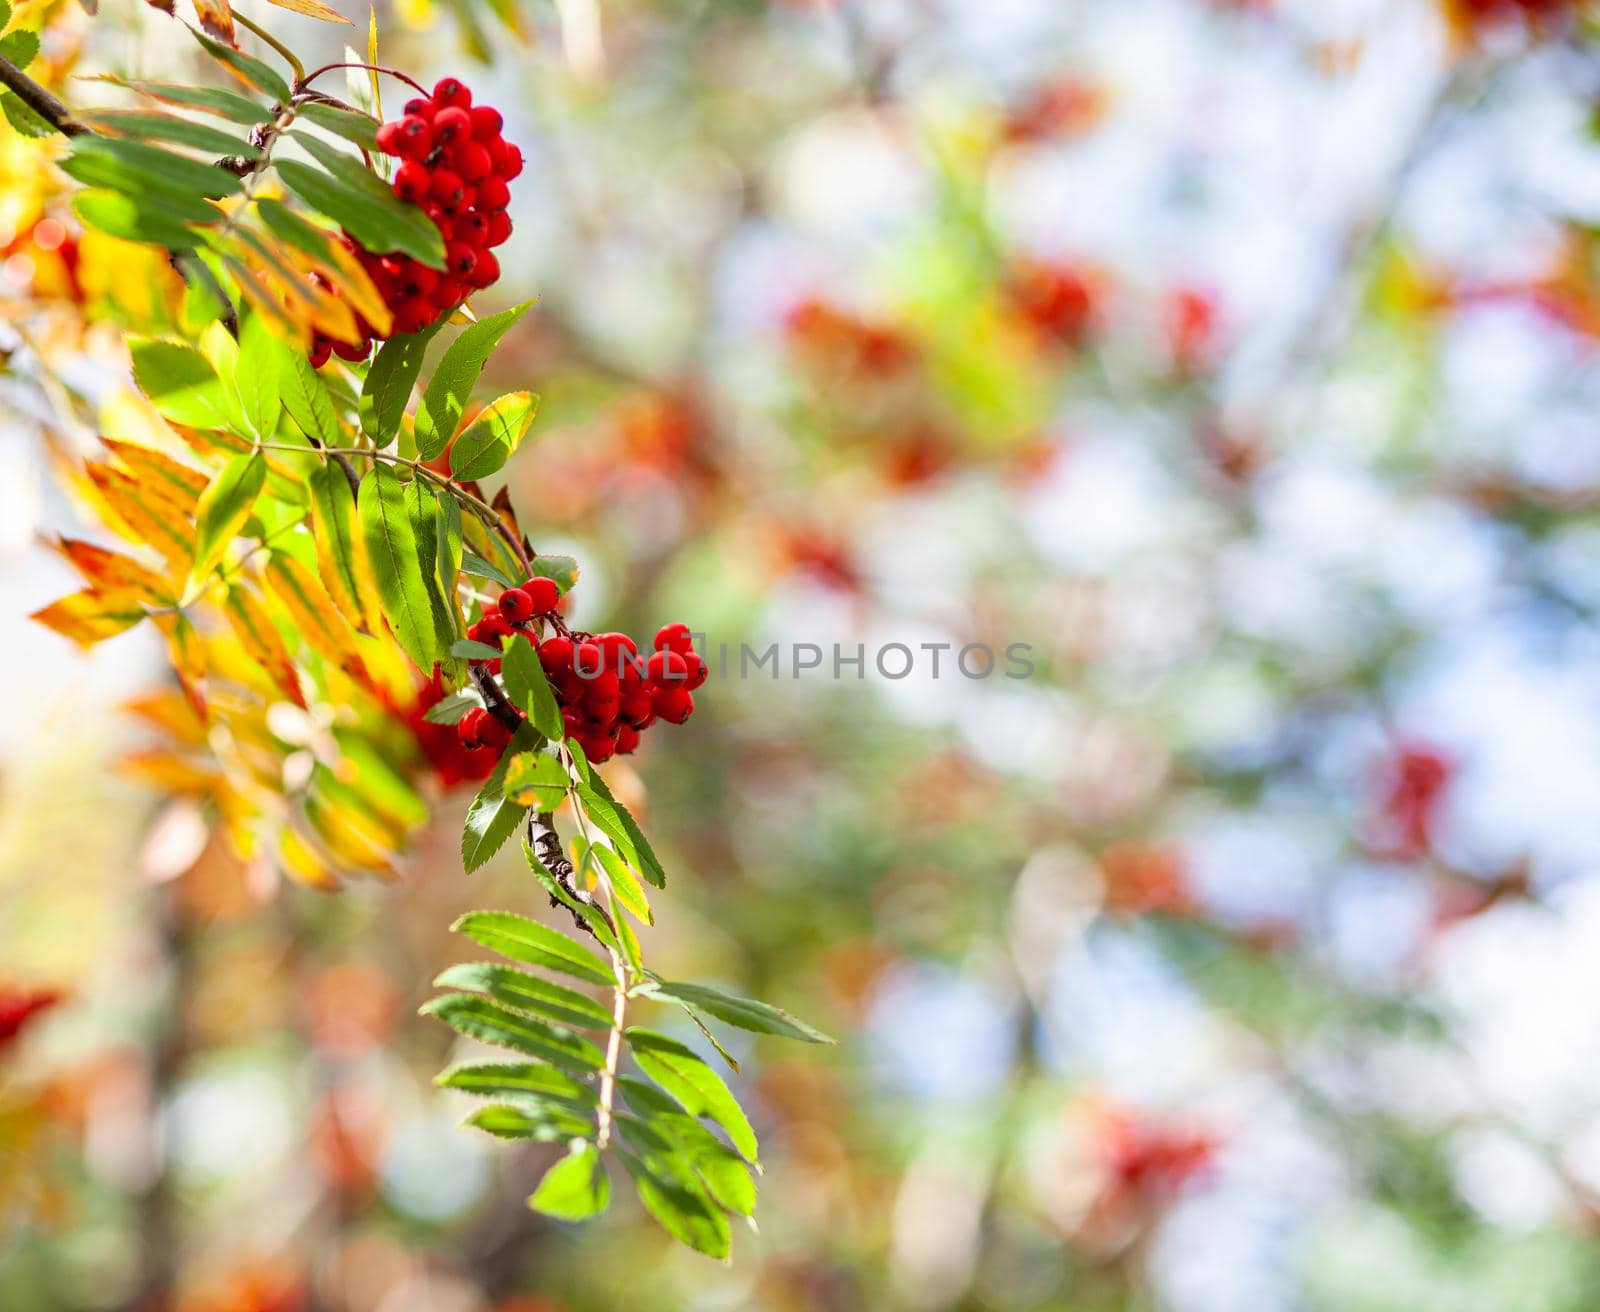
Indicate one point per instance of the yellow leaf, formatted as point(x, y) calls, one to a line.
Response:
point(316, 618)
point(169, 772)
point(261, 640)
point(112, 570)
point(163, 476)
point(314, 9)
point(168, 710)
point(131, 514)
point(354, 838)
point(303, 863)
point(188, 657)
point(92, 615)
point(217, 19)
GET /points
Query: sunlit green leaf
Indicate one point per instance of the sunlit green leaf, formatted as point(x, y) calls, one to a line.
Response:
point(575, 1188)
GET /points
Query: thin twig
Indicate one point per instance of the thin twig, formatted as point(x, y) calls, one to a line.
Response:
point(371, 68)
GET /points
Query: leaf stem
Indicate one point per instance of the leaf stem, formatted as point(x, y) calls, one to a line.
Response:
point(288, 55)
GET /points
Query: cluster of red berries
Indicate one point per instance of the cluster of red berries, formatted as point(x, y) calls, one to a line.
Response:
point(608, 694)
point(457, 167)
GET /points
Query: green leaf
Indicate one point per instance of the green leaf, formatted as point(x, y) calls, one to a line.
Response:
point(560, 570)
point(474, 564)
point(152, 125)
point(517, 1079)
point(426, 513)
point(590, 915)
point(491, 439)
point(252, 70)
point(469, 650)
point(699, 1089)
point(452, 708)
point(123, 216)
point(536, 780)
point(489, 1022)
point(680, 1146)
point(180, 383)
point(528, 689)
point(493, 817)
point(223, 508)
point(390, 378)
point(333, 521)
point(396, 565)
point(446, 395)
point(746, 1013)
point(136, 168)
point(646, 860)
point(624, 883)
point(306, 397)
point(377, 218)
point(362, 129)
point(688, 1216)
point(20, 47)
point(546, 1123)
point(575, 1188)
point(5, 14)
point(449, 561)
point(533, 944)
point(226, 104)
point(26, 122)
point(517, 988)
point(255, 378)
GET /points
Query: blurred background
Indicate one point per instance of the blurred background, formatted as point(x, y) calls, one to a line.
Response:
point(1239, 358)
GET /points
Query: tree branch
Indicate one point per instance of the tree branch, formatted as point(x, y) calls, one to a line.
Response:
point(40, 101)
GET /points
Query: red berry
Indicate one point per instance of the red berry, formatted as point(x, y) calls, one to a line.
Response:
point(352, 351)
point(493, 194)
point(596, 746)
point(587, 660)
point(321, 349)
point(674, 637)
point(447, 188)
point(472, 725)
point(414, 314)
point(486, 271)
point(637, 709)
point(668, 668)
point(447, 293)
point(495, 735)
point(486, 122)
point(419, 280)
point(450, 91)
point(412, 181)
point(543, 593)
point(555, 653)
point(451, 123)
point(516, 605)
point(499, 228)
point(417, 107)
point(601, 691)
point(416, 137)
point(460, 259)
point(572, 724)
point(627, 740)
point(491, 628)
point(389, 139)
point(473, 162)
point(674, 705)
point(698, 670)
point(513, 163)
point(471, 227)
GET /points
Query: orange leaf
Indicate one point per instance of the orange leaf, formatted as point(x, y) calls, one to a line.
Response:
point(113, 571)
point(169, 711)
point(315, 616)
point(188, 657)
point(160, 474)
point(261, 640)
point(169, 772)
point(135, 518)
point(92, 615)
point(313, 9)
point(217, 19)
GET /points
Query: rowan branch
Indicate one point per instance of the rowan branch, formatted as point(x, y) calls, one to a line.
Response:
point(40, 101)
